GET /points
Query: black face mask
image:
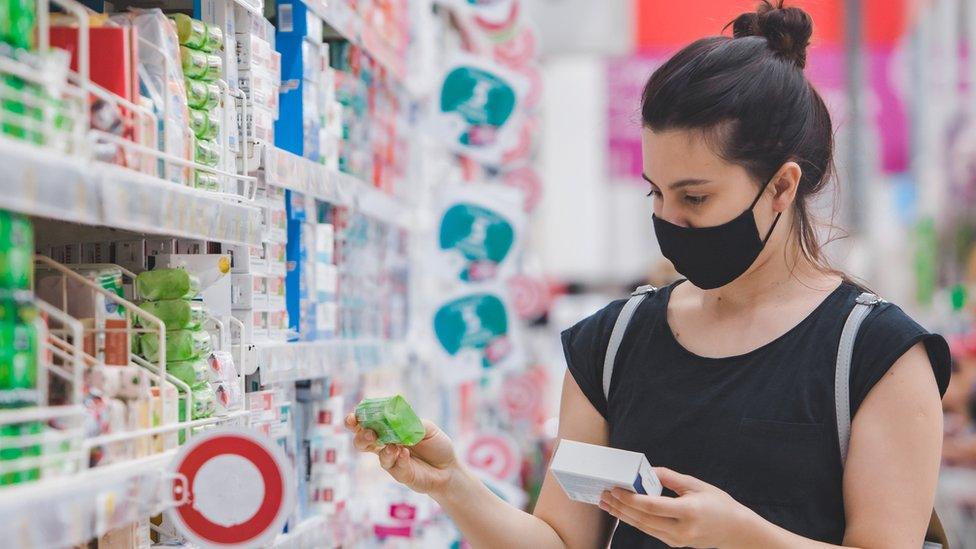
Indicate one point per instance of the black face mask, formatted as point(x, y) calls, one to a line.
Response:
point(711, 257)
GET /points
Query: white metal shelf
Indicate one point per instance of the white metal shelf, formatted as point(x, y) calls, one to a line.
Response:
point(65, 511)
point(284, 362)
point(290, 171)
point(41, 182)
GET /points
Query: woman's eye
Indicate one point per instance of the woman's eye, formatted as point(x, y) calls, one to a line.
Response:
point(654, 192)
point(695, 200)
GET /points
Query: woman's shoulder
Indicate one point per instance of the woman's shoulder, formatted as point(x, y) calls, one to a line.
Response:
point(887, 333)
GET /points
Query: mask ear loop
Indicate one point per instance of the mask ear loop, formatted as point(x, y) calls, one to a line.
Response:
point(775, 221)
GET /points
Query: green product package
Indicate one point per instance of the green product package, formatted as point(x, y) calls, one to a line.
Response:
point(11, 452)
point(194, 62)
point(393, 420)
point(214, 67)
point(18, 29)
point(202, 95)
point(204, 401)
point(16, 251)
point(192, 372)
point(215, 39)
point(191, 32)
point(18, 354)
point(204, 123)
point(14, 109)
point(177, 314)
point(207, 181)
point(180, 345)
point(205, 152)
point(159, 284)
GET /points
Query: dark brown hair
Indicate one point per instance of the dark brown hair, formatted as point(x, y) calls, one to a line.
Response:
point(750, 98)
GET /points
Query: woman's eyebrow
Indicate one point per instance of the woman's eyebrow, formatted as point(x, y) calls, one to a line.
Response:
point(678, 184)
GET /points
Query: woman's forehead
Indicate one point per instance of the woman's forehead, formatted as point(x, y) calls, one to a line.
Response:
point(678, 154)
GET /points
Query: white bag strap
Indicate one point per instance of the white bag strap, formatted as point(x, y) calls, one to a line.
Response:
point(617, 335)
point(842, 371)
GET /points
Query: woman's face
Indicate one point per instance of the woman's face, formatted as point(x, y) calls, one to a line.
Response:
point(694, 187)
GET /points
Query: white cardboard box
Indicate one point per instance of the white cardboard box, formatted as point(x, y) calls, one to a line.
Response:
point(585, 470)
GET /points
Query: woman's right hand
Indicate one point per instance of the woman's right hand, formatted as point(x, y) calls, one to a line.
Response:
point(427, 467)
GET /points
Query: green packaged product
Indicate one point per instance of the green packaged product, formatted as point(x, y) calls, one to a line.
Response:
point(191, 372)
point(18, 354)
point(16, 251)
point(214, 67)
point(159, 284)
point(194, 62)
point(204, 123)
point(215, 39)
point(191, 32)
point(14, 110)
point(202, 95)
point(393, 420)
point(207, 181)
point(180, 345)
point(18, 29)
point(177, 314)
point(205, 152)
point(11, 448)
point(204, 401)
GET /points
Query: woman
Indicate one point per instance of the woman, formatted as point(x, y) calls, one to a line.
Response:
point(725, 380)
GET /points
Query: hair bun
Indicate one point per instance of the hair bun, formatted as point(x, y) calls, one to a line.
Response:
point(786, 30)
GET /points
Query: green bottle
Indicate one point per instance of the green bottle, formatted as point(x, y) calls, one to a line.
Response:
point(180, 345)
point(191, 32)
point(213, 69)
point(160, 284)
point(393, 420)
point(177, 314)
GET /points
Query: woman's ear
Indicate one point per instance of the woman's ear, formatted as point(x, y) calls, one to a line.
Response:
point(784, 185)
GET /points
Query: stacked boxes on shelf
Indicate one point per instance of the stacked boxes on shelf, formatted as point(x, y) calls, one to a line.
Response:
point(19, 343)
point(258, 273)
point(200, 46)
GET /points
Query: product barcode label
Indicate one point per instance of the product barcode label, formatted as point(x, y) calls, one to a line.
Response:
point(285, 17)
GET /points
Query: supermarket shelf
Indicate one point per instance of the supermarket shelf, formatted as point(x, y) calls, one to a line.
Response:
point(284, 362)
point(43, 183)
point(348, 24)
point(294, 172)
point(139, 202)
point(39, 182)
point(308, 533)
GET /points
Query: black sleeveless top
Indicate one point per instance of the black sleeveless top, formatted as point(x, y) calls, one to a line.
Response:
point(761, 425)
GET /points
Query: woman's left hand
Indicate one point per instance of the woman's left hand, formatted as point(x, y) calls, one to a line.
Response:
point(701, 516)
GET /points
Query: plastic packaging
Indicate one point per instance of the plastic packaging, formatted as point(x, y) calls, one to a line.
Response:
point(191, 372)
point(215, 39)
point(18, 28)
point(18, 354)
point(206, 152)
point(204, 123)
point(194, 62)
point(191, 32)
point(393, 420)
point(213, 69)
point(177, 314)
point(204, 401)
point(16, 251)
point(207, 181)
point(202, 95)
point(167, 284)
point(180, 345)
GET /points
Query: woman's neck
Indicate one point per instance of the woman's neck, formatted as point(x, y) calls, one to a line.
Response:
point(775, 277)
